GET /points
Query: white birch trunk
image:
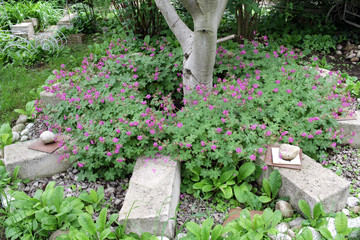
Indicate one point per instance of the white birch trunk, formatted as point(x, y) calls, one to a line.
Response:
point(199, 46)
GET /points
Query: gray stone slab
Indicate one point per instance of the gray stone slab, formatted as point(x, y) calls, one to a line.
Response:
point(25, 30)
point(66, 21)
point(313, 183)
point(49, 98)
point(152, 197)
point(351, 127)
point(33, 164)
point(34, 21)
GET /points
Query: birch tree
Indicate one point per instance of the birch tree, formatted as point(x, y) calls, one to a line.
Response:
point(199, 45)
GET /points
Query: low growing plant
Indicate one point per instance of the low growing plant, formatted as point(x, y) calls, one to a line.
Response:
point(245, 228)
point(6, 135)
point(29, 110)
point(315, 219)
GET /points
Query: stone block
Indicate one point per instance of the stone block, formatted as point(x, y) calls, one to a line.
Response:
point(76, 38)
point(313, 183)
point(25, 30)
point(153, 195)
point(33, 164)
point(66, 21)
point(34, 21)
point(49, 98)
point(351, 130)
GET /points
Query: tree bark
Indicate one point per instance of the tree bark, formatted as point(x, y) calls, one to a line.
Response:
point(199, 46)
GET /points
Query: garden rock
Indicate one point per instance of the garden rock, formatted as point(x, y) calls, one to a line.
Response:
point(356, 209)
point(25, 132)
point(350, 56)
point(291, 233)
point(346, 212)
point(285, 208)
point(22, 119)
point(288, 152)
point(296, 223)
point(162, 238)
point(24, 138)
point(18, 127)
point(339, 47)
point(29, 126)
point(358, 55)
point(280, 236)
point(16, 136)
point(47, 137)
point(282, 227)
point(355, 59)
point(352, 201)
point(331, 227)
point(354, 223)
point(338, 52)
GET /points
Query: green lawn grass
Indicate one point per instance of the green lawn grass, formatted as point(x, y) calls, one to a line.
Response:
point(19, 84)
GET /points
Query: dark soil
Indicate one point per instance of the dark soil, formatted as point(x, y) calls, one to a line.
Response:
point(342, 64)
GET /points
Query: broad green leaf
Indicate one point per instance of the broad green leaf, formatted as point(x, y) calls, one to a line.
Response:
point(306, 234)
point(49, 223)
point(305, 208)
point(325, 233)
point(239, 192)
point(20, 111)
point(264, 199)
point(81, 236)
point(87, 223)
point(57, 197)
point(318, 210)
point(93, 195)
point(216, 232)
point(341, 222)
point(198, 185)
point(101, 220)
point(207, 188)
point(245, 170)
point(275, 182)
point(227, 191)
point(266, 187)
point(226, 176)
point(194, 229)
point(104, 234)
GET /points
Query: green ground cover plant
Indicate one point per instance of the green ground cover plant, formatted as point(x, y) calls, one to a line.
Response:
point(118, 106)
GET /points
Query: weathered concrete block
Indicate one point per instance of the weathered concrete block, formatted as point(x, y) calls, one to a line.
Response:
point(34, 21)
point(76, 38)
point(49, 98)
point(66, 21)
point(33, 164)
point(351, 130)
point(152, 197)
point(25, 30)
point(313, 183)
